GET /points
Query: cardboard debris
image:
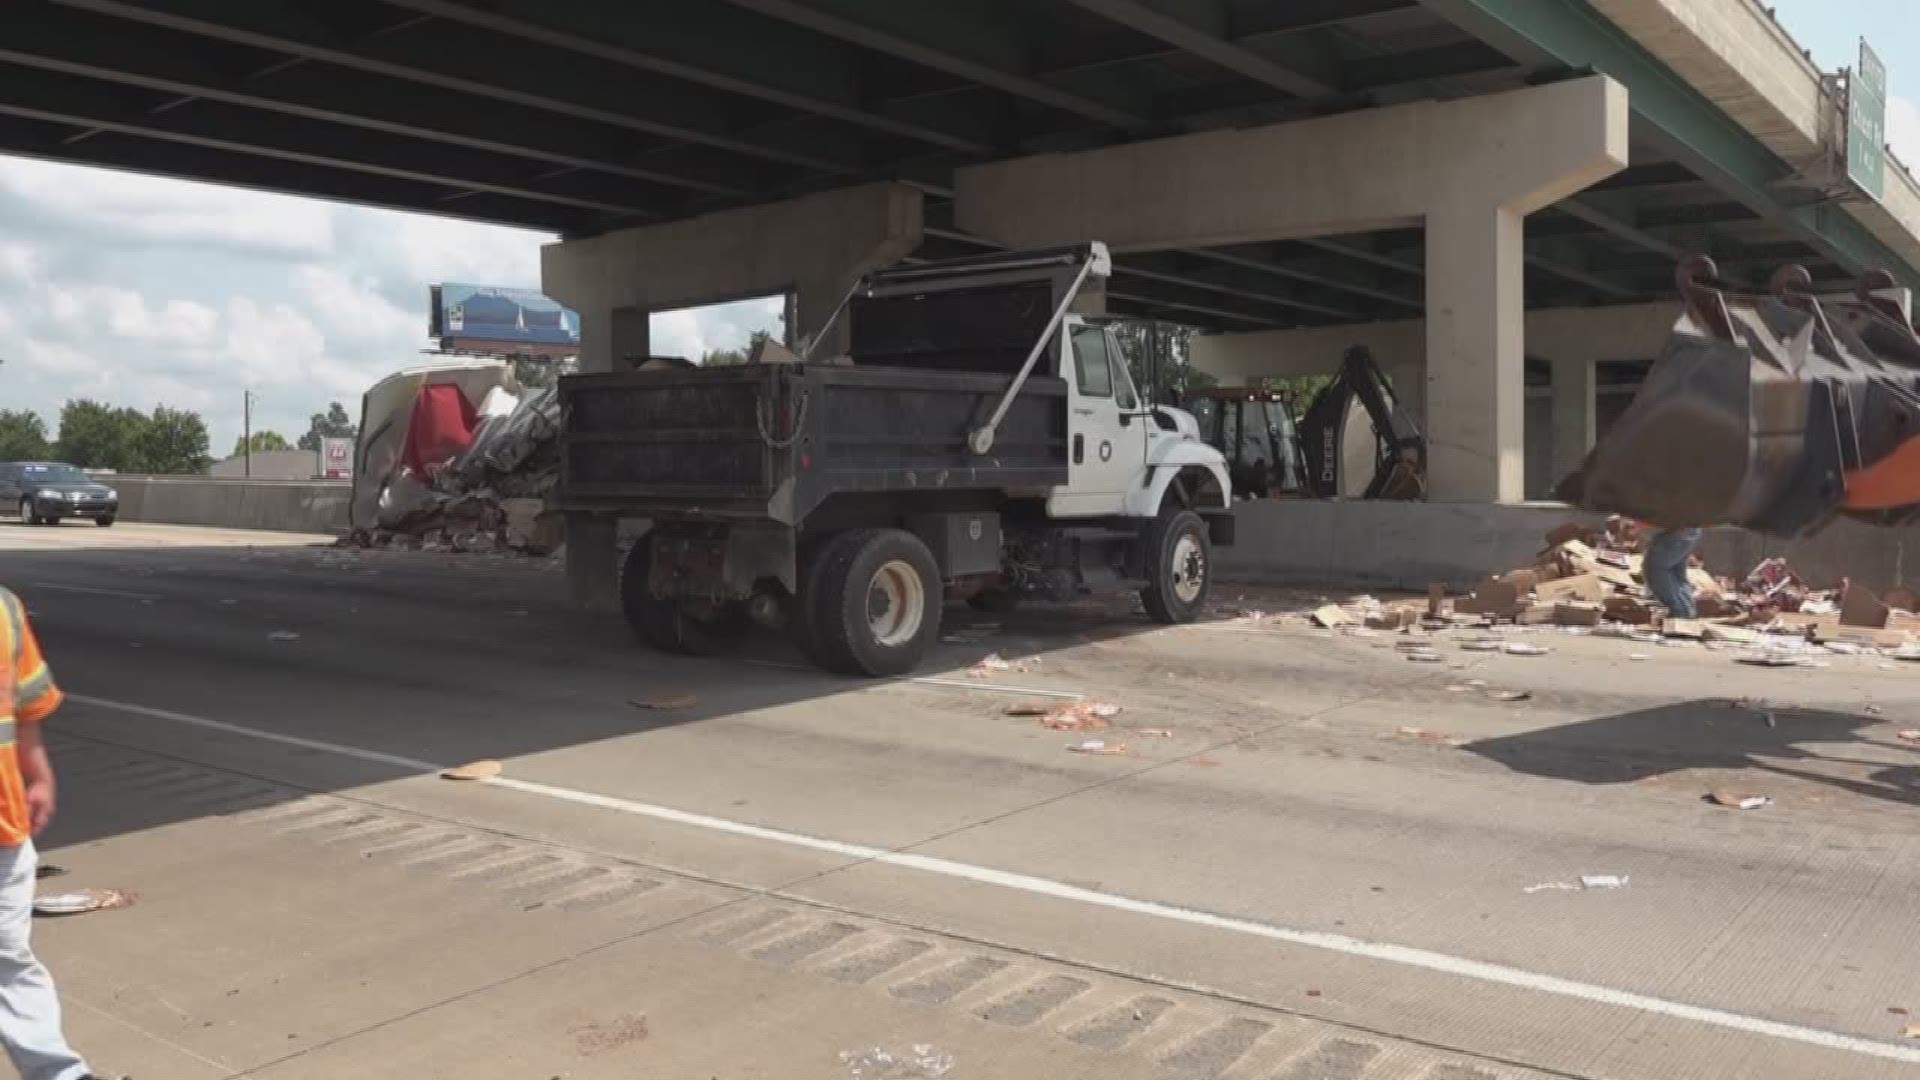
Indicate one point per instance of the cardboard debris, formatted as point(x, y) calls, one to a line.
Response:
point(474, 770)
point(1703, 582)
point(1586, 588)
point(1740, 635)
point(1901, 598)
point(1577, 613)
point(1688, 629)
point(1858, 607)
point(1629, 610)
point(1330, 616)
point(1862, 635)
point(665, 702)
point(1536, 615)
point(1736, 801)
point(1392, 619)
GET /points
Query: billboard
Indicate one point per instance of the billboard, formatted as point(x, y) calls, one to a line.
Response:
point(500, 321)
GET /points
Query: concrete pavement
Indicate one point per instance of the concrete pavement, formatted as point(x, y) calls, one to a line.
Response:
point(1309, 891)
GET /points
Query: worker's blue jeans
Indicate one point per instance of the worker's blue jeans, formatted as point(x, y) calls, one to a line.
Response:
point(1665, 567)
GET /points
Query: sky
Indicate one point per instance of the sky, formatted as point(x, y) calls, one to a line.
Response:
point(142, 291)
point(1831, 30)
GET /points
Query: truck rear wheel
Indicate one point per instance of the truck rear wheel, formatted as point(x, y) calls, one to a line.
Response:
point(878, 603)
point(1179, 557)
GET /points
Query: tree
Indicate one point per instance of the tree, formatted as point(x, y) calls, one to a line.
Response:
point(263, 441)
point(538, 373)
point(727, 357)
point(23, 436)
point(332, 424)
point(1156, 355)
point(174, 441)
point(98, 436)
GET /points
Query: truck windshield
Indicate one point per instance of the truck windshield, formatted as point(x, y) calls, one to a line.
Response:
point(53, 474)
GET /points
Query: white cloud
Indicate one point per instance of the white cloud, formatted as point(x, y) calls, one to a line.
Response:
point(143, 291)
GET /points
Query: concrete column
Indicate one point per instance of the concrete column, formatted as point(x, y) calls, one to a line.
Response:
point(1574, 427)
point(1475, 355)
point(1470, 169)
point(608, 336)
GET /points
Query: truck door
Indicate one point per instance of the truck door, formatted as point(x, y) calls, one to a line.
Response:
point(1103, 443)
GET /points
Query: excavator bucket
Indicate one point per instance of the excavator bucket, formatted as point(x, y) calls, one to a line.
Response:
point(1775, 413)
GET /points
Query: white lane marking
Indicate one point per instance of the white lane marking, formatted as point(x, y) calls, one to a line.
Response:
point(93, 592)
point(928, 680)
point(1404, 955)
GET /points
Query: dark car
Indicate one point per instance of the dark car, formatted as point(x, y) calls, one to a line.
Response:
point(45, 491)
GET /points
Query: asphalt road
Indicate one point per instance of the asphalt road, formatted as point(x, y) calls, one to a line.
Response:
point(1328, 869)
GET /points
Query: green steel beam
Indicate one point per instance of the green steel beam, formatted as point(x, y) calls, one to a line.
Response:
point(1694, 131)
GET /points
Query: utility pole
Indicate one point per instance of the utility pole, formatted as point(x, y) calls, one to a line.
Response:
point(246, 428)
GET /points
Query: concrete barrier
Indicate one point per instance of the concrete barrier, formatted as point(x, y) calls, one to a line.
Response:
point(312, 506)
point(1397, 545)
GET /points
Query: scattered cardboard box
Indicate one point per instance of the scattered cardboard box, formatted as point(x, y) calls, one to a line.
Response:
point(1870, 636)
point(1587, 588)
point(1498, 596)
point(1858, 607)
point(1739, 635)
point(1392, 619)
point(1901, 598)
point(1535, 615)
point(1703, 582)
point(1629, 610)
point(1578, 613)
point(1687, 629)
point(1799, 622)
point(1330, 616)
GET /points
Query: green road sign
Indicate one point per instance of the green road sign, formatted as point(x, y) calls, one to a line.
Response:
point(1867, 123)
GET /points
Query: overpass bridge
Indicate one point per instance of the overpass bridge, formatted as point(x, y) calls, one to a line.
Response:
point(1288, 173)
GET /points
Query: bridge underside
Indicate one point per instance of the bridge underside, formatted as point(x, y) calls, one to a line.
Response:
point(582, 117)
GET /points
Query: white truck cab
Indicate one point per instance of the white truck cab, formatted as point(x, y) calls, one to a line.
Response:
point(1124, 452)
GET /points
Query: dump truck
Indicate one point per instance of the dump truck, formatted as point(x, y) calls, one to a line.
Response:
point(980, 442)
point(1776, 411)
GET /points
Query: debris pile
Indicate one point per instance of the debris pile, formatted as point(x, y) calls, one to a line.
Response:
point(457, 459)
point(1592, 581)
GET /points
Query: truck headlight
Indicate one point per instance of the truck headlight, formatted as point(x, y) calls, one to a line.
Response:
point(48, 493)
point(112, 494)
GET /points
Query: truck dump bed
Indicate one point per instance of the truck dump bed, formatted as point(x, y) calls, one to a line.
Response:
point(934, 349)
point(722, 442)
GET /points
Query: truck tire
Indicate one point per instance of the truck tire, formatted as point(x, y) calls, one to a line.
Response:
point(1179, 558)
point(878, 604)
point(815, 556)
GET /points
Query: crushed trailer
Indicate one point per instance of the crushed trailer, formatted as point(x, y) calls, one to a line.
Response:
point(1775, 412)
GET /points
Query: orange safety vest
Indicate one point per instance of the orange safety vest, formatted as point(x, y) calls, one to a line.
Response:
point(27, 696)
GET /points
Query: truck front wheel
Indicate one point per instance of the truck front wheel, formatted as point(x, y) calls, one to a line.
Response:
point(1179, 558)
point(878, 605)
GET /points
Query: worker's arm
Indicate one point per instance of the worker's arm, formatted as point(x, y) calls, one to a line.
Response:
point(35, 697)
